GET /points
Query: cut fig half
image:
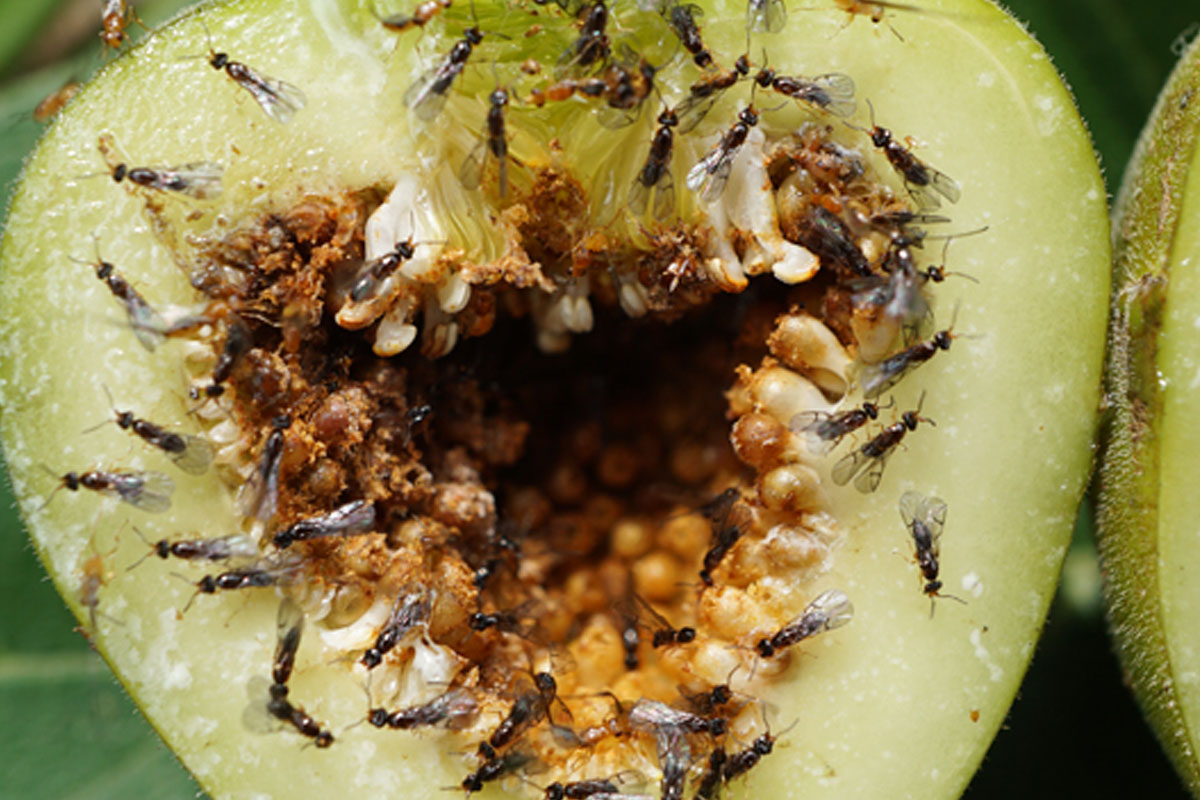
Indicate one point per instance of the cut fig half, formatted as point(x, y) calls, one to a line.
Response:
point(578, 407)
point(1145, 501)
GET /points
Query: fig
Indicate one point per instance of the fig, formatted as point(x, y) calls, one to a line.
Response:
point(1142, 513)
point(664, 396)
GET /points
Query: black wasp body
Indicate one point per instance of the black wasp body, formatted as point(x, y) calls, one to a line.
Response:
point(703, 94)
point(262, 490)
point(652, 715)
point(505, 621)
point(528, 709)
point(353, 518)
point(663, 632)
point(711, 781)
point(831, 609)
point(281, 708)
point(376, 271)
point(830, 238)
point(623, 85)
point(878, 378)
point(190, 453)
point(289, 624)
point(592, 46)
point(875, 453)
point(148, 326)
point(832, 92)
point(682, 19)
point(454, 709)
point(707, 703)
point(580, 790)
point(495, 768)
point(722, 543)
point(631, 634)
point(237, 545)
point(923, 182)
point(248, 578)
point(280, 100)
point(233, 350)
point(149, 491)
point(495, 142)
point(257, 576)
point(709, 175)
point(674, 759)
point(925, 518)
point(825, 430)
point(411, 608)
point(200, 180)
point(427, 96)
point(743, 761)
point(655, 174)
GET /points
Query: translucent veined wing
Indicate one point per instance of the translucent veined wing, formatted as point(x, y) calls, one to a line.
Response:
point(835, 94)
point(821, 434)
point(470, 174)
point(428, 94)
point(878, 378)
point(709, 176)
point(148, 325)
point(928, 511)
point(694, 108)
point(280, 100)
point(850, 465)
point(200, 179)
point(868, 481)
point(766, 16)
point(664, 196)
point(196, 456)
point(149, 491)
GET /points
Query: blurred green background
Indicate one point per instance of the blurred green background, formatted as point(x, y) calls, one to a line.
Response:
point(68, 731)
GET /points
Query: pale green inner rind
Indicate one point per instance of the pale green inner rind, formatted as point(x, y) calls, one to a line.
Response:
point(885, 704)
point(1141, 529)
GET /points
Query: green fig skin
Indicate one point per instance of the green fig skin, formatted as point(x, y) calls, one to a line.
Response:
point(1146, 496)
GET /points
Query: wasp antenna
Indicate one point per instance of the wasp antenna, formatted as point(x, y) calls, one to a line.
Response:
point(138, 563)
point(57, 489)
point(85, 177)
point(786, 730)
point(95, 427)
point(111, 403)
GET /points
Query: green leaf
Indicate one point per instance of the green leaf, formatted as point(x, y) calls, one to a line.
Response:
point(22, 20)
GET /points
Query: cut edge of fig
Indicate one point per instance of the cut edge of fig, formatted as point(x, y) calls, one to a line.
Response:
point(1153, 242)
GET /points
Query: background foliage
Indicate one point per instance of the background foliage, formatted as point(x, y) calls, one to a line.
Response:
point(70, 732)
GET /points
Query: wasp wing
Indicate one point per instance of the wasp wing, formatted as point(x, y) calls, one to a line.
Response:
point(834, 93)
point(766, 16)
point(664, 196)
point(868, 481)
point(196, 455)
point(149, 491)
point(849, 466)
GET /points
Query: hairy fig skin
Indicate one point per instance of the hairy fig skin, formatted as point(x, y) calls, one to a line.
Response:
point(949, 752)
point(1146, 504)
